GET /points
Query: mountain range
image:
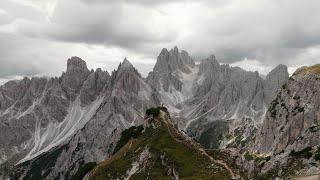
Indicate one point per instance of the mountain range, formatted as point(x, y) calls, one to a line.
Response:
point(52, 127)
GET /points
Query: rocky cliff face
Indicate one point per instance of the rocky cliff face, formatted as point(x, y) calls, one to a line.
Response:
point(169, 77)
point(40, 114)
point(199, 94)
point(287, 144)
point(212, 90)
point(274, 80)
point(293, 117)
point(124, 103)
point(73, 79)
point(104, 106)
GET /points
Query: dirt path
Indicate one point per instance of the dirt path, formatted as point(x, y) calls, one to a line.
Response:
point(175, 134)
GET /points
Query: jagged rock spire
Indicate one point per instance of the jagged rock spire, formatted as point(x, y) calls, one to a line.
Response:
point(77, 72)
point(275, 78)
point(169, 61)
point(126, 64)
point(76, 64)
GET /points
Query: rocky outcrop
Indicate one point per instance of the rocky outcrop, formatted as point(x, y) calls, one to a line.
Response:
point(169, 61)
point(93, 86)
point(287, 144)
point(165, 74)
point(293, 117)
point(275, 79)
point(72, 80)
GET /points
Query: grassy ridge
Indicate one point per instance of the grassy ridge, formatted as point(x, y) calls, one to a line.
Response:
point(315, 69)
point(189, 163)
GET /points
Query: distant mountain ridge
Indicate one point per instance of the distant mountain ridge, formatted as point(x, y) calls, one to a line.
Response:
point(202, 94)
point(80, 115)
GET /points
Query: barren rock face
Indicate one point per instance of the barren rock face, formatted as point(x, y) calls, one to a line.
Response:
point(292, 120)
point(275, 79)
point(77, 72)
point(123, 105)
point(33, 112)
point(168, 64)
point(78, 117)
point(94, 84)
point(199, 94)
point(222, 92)
point(169, 61)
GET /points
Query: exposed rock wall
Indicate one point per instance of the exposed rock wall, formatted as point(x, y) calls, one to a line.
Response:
point(293, 118)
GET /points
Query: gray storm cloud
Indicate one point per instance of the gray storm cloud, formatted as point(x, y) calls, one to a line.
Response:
point(268, 31)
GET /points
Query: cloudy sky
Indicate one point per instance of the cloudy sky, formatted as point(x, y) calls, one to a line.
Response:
point(38, 36)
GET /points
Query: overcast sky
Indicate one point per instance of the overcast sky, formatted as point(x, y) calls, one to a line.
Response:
point(38, 36)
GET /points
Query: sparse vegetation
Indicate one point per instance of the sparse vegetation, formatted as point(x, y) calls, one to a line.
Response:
point(297, 109)
point(248, 156)
point(162, 108)
point(301, 109)
point(317, 154)
point(284, 86)
point(211, 137)
point(272, 108)
point(314, 128)
point(40, 167)
point(296, 97)
point(304, 153)
point(257, 159)
point(153, 111)
point(285, 171)
point(126, 135)
point(228, 158)
point(83, 170)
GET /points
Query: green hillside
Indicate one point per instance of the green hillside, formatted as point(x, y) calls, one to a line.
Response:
point(160, 153)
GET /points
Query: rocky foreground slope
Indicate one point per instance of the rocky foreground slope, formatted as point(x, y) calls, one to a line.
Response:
point(159, 151)
point(290, 133)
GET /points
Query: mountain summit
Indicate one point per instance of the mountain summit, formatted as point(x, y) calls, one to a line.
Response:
point(126, 64)
point(172, 60)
